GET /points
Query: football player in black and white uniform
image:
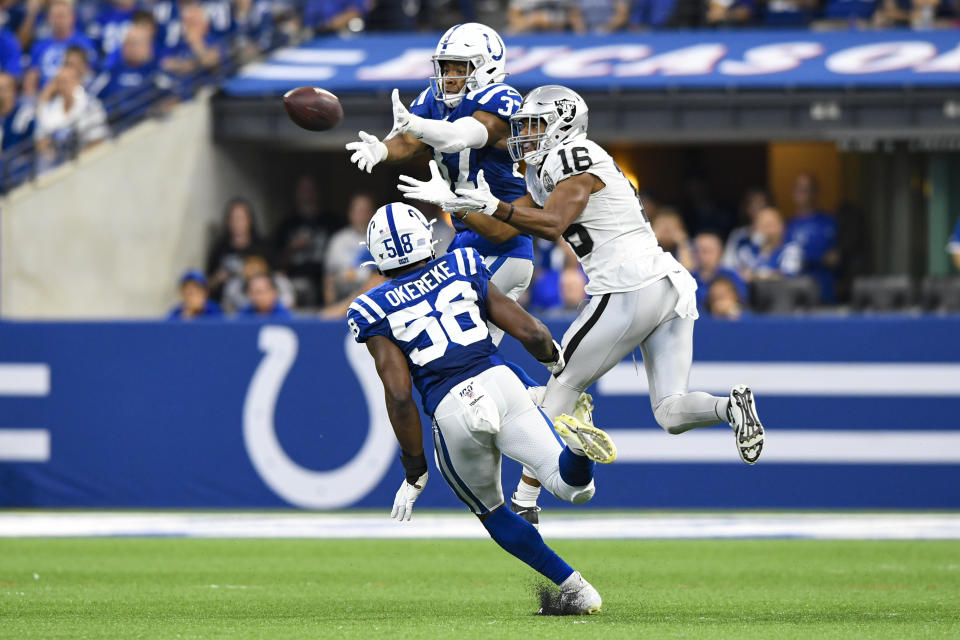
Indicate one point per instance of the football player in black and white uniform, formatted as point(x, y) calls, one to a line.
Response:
point(641, 295)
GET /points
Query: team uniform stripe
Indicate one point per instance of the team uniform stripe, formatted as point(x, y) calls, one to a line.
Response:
point(419, 101)
point(471, 260)
point(476, 93)
point(496, 264)
point(456, 483)
point(359, 309)
point(585, 329)
point(457, 253)
point(452, 31)
point(488, 96)
point(376, 308)
point(393, 231)
point(550, 426)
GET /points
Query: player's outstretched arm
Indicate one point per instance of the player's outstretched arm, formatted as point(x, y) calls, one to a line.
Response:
point(369, 151)
point(397, 391)
point(492, 229)
point(442, 135)
point(507, 314)
point(564, 205)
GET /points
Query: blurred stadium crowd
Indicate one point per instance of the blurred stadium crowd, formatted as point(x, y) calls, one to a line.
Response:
point(605, 16)
point(73, 71)
point(314, 263)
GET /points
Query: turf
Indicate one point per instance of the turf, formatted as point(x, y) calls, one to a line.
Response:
point(423, 589)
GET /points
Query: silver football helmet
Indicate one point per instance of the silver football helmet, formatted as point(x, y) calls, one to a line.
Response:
point(548, 116)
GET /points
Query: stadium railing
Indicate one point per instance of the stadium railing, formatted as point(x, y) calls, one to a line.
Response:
point(22, 162)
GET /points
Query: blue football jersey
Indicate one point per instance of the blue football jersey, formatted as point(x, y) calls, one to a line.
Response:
point(461, 168)
point(437, 315)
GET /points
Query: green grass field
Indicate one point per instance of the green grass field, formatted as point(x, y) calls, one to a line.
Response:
point(424, 589)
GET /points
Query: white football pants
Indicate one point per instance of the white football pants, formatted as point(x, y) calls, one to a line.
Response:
point(512, 277)
point(469, 456)
point(614, 324)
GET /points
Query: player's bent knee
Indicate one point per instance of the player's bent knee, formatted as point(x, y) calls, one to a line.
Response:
point(667, 420)
point(584, 494)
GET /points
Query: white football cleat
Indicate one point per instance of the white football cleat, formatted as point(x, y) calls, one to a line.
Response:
point(577, 596)
point(583, 410)
point(742, 416)
point(585, 439)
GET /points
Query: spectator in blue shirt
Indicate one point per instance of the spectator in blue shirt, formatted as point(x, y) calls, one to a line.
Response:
point(195, 303)
point(708, 250)
point(47, 55)
point(815, 232)
point(264, 300)
point(197, 49)
point(953, 247)
point(253, 25)
point(28, 21)
point(18, 118)
point(335, 15)
point(773, 258)
point(220, 15)
point(10, 53)
point(110, 26)
point(130, 75)
point(754, 200)
point(653, 14)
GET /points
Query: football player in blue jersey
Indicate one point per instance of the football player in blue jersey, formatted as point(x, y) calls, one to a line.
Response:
point(429, 320)
point(463, 119)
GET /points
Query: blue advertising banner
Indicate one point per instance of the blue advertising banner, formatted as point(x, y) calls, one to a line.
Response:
point(861, 413)
point(623, 62)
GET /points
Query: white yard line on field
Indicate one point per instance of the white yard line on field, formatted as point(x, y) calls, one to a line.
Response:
point(556, 525)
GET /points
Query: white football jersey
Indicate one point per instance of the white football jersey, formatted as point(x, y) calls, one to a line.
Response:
point(612, 237)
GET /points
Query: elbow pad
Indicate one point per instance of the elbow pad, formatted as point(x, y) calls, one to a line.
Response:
point(451, 137)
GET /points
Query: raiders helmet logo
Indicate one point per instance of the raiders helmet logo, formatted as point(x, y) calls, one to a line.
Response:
point(548, 183)
point(567, 109)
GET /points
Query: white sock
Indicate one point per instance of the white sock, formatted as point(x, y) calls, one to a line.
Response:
point(723, 404)
point(526, 495)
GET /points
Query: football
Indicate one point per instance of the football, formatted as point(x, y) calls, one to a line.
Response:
point(313, 108)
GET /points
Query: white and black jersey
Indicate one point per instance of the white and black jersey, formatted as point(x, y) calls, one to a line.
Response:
point(612, 236)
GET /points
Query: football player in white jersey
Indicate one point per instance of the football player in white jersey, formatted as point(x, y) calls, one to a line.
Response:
point(641, 295)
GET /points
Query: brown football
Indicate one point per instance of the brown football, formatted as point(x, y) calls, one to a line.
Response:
point(312, 108)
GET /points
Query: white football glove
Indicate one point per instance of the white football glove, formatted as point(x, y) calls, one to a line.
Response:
point(479, 199)
point(555, 366)
point(406, 496)
point(403, 120)
point(436, 190)
point(367, 152)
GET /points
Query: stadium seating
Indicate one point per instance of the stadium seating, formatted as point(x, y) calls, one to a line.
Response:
point(940, 294)
point(785, 296)
point(882, 293)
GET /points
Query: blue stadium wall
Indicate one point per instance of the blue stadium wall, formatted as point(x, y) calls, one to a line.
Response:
point(861, 413)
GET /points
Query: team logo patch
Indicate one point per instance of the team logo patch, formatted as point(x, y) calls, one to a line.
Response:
point(468, 394)
point(567, 109)
point(548, 183)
